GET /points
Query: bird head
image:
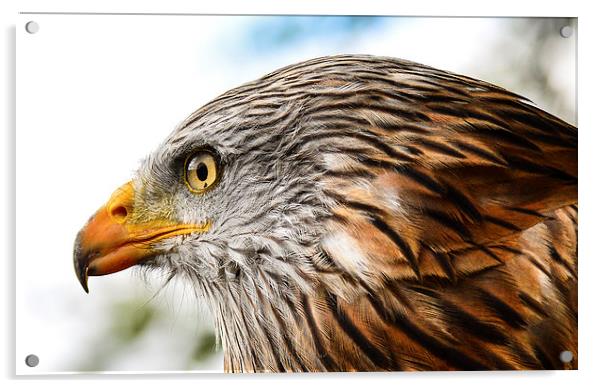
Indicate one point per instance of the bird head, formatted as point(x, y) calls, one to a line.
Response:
point(233, 190)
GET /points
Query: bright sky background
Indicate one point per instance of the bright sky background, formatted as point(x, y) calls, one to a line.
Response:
point(95, 94)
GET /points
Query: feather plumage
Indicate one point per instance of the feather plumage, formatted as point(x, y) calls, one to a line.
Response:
point(378, 214)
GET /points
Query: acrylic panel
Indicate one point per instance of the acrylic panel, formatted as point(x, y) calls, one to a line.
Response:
point(295, 193)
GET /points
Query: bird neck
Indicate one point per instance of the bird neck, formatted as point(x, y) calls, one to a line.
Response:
point(265, 327)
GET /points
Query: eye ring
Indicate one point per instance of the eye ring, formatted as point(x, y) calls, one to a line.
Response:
point(201, 171)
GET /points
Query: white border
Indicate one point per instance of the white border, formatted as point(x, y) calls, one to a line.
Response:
point(372, 7)
point(589, 67)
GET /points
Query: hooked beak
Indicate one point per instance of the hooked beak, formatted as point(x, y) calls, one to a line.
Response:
point(110, 242)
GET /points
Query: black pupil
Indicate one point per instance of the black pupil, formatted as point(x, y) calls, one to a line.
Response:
point(202, 172)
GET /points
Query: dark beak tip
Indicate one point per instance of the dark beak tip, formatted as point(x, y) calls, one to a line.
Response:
point(82, 276)
point(80, 263)
point(84, 284)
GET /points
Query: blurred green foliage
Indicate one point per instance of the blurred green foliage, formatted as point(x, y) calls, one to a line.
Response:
point(130, 319)
point(131, 324)
point(205, 347)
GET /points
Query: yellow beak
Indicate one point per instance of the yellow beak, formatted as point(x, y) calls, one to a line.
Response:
point(109, 243)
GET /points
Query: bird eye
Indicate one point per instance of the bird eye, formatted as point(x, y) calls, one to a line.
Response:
point(201, 171)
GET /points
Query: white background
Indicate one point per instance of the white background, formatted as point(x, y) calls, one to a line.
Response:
point(51, 186)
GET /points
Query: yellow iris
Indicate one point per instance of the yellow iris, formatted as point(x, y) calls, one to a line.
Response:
point(201, 171)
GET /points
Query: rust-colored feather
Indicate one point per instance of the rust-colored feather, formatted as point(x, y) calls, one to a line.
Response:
point(461, 220)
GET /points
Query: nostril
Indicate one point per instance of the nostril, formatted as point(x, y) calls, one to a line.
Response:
point(119, 213)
